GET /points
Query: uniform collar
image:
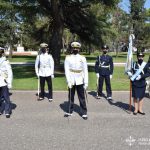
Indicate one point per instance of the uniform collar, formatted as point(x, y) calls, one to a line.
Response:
point(75, 55)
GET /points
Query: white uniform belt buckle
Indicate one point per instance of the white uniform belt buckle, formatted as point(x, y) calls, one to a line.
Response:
point(105, 66)
point(75, 71)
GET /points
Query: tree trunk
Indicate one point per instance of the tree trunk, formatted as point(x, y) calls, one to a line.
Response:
point(57, 33)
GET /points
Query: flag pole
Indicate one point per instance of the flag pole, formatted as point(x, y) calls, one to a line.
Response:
point(130, 99)
point(129, 63)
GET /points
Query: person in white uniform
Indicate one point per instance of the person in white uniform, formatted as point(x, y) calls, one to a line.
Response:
point(44, 68)
point(5, 84)
point(76, 72)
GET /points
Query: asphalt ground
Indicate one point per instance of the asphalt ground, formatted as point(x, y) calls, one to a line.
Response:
point(41, 125)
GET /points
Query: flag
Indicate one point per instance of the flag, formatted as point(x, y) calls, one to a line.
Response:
point(129, 61)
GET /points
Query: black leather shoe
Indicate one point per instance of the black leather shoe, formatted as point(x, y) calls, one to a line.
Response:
point(40, 98)
point(142, 113)
point(7, 115)
point(134, 113)
point(67, 114)
point(85, 117)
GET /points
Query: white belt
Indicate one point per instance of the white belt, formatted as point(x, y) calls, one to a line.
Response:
point(105, 66)
point(75, 71)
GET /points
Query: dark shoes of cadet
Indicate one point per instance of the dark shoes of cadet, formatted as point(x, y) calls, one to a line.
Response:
point(7, 115)
point(109, 98)
point(40, 98)
point(134, 113)
point(98, 97)
point(50, 99)
point(142, 113)
point(85, 117)
point(67, 114)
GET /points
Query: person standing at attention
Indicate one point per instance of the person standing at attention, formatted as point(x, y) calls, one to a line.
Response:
point(44, 68)
point(76, 72)
point(104, 71)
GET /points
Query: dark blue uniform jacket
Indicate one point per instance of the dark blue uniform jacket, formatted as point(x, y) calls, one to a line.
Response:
point(144, 74)
point(104, 65)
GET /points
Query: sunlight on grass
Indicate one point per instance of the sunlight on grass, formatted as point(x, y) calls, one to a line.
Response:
point(25, 79)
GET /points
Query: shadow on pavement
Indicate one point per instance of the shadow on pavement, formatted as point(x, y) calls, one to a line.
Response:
point(147, 95)
point(121, 105)
point(65, 107)
point(94, 94)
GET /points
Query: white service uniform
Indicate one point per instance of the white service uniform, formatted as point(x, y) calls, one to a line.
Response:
point(76, 70)
point(44, 65)
point(44, 68)
point(5, 83)
point(5, 73)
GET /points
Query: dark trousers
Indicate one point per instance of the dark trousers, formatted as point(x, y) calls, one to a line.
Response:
point(108, 85)
point(81, 96)
point(5, 104)
point(42, 85)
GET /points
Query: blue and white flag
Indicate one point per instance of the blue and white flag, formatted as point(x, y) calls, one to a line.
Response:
point(129, 61)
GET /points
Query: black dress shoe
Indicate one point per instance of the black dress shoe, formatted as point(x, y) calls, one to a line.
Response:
point(134, 113)
point(85, 117)
point(142, 113)
point(40, 98)
point(7, 115)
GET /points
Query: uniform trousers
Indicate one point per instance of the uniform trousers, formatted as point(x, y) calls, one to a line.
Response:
point(42, 85)
point(81, 95)
point(108, 85)
point(5, 104)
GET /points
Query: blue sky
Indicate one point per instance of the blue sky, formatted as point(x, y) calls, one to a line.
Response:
point(125, 4)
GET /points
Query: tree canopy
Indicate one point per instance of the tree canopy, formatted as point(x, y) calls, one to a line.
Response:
point(58, 22)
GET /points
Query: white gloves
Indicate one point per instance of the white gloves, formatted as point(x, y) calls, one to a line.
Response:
point(85, 86)
point(147, 82)
point(69, 85)
point(138, 77)
point(37, 75)
point(129, 74)
point(97, 75)
point(52, 76)
point(9, 86)
point(110, 76)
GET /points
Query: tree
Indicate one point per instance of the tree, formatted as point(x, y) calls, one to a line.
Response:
point(74, 15)
point(8, 23)
point(137, 13)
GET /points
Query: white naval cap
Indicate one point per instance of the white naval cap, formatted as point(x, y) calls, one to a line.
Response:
point(75, 44)
point(43, 45)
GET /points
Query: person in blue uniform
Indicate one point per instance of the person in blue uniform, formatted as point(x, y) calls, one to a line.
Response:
point(76, 72)
point(140, 71)
point(104, 71)
point(5, 84)
point(44, 68)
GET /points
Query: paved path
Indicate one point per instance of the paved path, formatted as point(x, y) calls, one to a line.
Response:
point(41, 125)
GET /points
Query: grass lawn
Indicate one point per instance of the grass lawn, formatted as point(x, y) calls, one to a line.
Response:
point(25, 79)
